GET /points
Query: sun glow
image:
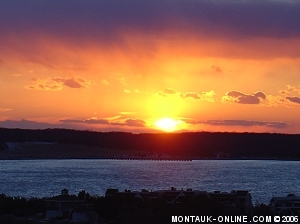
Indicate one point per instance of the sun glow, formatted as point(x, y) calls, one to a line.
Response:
point(167, 124)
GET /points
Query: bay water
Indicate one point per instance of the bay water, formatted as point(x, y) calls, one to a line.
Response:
point(44, 178)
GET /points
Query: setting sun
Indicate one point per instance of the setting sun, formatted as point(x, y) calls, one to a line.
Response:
point(167, 124)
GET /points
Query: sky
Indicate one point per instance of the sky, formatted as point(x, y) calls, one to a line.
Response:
point(151, 65)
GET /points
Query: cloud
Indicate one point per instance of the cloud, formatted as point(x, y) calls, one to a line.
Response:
point(86, 121)
point(167, 92)
point(105, 82)
point(55, 84)
point(72, 83)
point(109, 23)
point(130, 122)
point(119, 122)
point(136, 91)
point(26, 124)
point(209, 96)
point(288, 98)
point(216, 69)
point(4, 109)
point(234, 18)
point(75, 82)
point(193, 95)
point(294, 99)
point(260, 95)
point(135, 122)
point(40, 85)
point(242, 98)
point(293, 88)
point(244, 123)
point(17, 75)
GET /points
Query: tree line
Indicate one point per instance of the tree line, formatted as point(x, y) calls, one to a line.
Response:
point(194, 145)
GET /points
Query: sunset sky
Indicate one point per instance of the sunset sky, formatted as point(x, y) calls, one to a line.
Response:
point(122, 65)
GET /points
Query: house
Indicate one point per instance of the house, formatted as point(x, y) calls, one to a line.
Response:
point(65, 206)
point(289, 205)
point(110, 192)
point(235, 202)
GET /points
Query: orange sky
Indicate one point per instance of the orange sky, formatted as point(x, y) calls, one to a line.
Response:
point(123, 65)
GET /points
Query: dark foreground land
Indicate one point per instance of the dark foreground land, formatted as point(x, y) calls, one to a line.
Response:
point(121, 210)
point(64, 143)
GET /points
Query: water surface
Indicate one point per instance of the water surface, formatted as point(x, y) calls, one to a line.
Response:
point(39, 178)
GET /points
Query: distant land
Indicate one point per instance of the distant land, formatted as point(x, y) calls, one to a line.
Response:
point(71, 144)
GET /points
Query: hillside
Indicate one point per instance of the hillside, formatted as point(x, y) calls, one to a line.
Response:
point(64, 143)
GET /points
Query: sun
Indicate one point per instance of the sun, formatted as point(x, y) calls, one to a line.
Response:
point(167, 124)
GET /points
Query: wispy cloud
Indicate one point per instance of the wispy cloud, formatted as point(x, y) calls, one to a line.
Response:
point(41, 84)
point(4, 109)
point(216, 69)
point(209, 96)
point(166, 92)
point(105, 82)
point(86, 121)
point(17, 75)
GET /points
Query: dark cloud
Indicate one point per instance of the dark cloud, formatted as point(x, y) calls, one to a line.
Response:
point(108, 19)
point(130, 122)
point(135, 125)
point(244, 123)
point(260, 95)
point(135, 122)
point(242, 98)
point(72, 83)
point(294, 99)
point(76, 82)
point(127, 122)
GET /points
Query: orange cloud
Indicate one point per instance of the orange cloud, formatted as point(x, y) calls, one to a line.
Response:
point(45, 84)
point(41, 85)
point(167, 92)
point(209, 96)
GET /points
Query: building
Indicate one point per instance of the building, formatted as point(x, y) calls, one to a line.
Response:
point(65, 206)
point(233, 203)
point(288, 206)
point(236, 202)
